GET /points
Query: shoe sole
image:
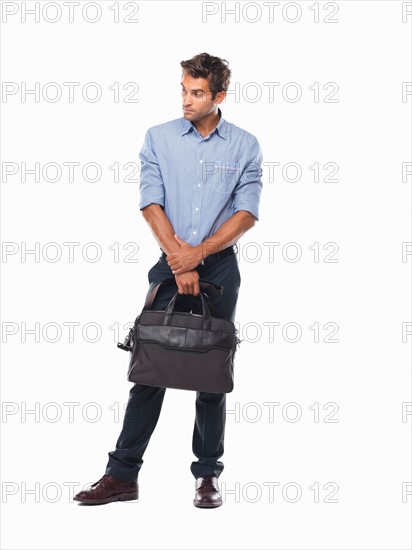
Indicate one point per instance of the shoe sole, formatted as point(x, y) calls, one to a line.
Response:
point(207, 504)
point(114, 498)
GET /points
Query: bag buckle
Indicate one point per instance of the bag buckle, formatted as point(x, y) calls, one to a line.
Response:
point(125, 345)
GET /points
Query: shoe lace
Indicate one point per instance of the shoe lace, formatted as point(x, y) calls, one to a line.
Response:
point(97, 482)
point(209, 480)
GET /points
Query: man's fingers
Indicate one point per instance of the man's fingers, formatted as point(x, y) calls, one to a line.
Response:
point(174, 266)
point(187, 284)
point(184, 264)
point(184, 289)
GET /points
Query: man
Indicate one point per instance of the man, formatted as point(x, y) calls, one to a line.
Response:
point(200, 190)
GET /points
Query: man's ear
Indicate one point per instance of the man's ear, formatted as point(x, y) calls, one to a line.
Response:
point(219, 97)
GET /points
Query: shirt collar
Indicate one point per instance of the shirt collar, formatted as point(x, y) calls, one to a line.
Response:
point(187, 126)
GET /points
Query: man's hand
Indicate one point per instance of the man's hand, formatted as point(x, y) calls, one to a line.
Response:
point(185, 259)
point(188, 282)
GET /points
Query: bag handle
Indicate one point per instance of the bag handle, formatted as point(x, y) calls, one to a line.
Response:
point(207, 319)
point(203, 283)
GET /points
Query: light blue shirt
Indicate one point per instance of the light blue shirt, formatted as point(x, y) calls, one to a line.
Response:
point(200, 181)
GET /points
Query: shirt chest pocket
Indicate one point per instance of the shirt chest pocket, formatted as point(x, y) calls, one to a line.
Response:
point(222, 175)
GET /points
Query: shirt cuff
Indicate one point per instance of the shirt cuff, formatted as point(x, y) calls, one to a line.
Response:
point(245, 205)
point(146, 201)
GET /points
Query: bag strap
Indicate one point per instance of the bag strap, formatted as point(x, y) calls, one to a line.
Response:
point(203, 283)
point(152, 295)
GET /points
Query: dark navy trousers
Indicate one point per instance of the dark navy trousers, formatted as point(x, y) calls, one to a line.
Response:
point(145, 402)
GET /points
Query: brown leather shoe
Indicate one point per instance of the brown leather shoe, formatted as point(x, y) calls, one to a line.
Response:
point(207, 492)
point(109, 489)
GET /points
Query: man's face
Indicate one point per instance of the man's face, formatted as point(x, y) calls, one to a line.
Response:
point(197, 98)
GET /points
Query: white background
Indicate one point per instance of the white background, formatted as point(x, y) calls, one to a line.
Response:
point(358, 283)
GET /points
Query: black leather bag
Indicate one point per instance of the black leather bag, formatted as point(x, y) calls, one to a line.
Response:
point(182, 350)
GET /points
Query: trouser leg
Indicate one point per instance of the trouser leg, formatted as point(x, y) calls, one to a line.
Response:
point(208, 434)
point(141, 416)
point(209, 428)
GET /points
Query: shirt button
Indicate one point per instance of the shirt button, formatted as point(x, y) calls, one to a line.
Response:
point(201, 161)
point(194, 232)
point(199, 184)
point(197, 208)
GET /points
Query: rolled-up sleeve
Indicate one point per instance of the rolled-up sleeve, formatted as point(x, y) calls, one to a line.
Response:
point(248, 189)
point(151, 181)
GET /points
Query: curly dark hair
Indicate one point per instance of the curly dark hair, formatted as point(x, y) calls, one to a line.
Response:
point(216, 70)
